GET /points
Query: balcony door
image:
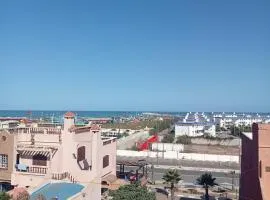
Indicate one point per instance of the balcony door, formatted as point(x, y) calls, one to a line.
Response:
point(40, 160)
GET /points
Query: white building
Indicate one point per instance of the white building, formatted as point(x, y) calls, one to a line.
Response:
point(8, 124)
point(247, 121)
point(194, 129)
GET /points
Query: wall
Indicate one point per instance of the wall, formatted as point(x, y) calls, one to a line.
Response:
point(109, 149)
point(167, 147)
point(249, 182)
point(7, 147)
point(223, 142)
point(129, 141)
point(24, 179)
point(177, 155)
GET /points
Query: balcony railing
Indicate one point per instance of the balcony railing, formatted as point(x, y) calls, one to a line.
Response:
point(65, 175)
point(38, 130)
point(109, 141)
point(60, 176)
point(33, 170)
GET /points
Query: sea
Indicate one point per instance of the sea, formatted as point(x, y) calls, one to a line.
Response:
point(83, 114)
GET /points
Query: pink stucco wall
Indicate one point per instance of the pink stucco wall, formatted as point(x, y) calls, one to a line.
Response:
point(255, 158)
point(64, 158)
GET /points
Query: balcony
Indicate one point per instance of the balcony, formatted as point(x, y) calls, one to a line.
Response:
point(37, 130)
point(21, 168)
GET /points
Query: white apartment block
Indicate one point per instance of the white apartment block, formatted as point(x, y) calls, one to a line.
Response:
point(194, 129)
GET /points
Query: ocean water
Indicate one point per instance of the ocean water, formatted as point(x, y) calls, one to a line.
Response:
point(44, 114)
point(82, 114)
point(57, 114)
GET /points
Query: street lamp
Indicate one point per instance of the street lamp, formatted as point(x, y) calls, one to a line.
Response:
point(233, 174)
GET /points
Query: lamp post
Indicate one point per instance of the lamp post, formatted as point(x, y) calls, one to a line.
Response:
point(233, 174)
point(152, 168)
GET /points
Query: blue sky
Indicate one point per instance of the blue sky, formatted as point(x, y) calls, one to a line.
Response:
point(135, 55)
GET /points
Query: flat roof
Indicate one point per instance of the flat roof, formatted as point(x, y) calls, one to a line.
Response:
point(194, 123)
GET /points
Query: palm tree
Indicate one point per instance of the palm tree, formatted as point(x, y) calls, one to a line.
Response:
point(206, 180)
point(172, 177)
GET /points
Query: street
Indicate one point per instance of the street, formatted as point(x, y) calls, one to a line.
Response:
point(189, 176)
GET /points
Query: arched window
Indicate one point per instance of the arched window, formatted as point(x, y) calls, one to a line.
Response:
point(40, 160)
point(106, 161)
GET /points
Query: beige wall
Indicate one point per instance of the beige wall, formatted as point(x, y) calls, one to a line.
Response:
point(6, 147)
point(109, 149)
point(25, 179)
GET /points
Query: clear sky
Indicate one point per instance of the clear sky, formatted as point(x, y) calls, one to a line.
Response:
point(182, 55)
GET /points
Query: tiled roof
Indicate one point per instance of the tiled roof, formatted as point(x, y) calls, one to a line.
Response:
point(69, 114)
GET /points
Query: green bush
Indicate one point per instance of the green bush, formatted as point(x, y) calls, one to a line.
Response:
point(4, 196)
point(132, 192)
point(169, 138)
point(184, 139)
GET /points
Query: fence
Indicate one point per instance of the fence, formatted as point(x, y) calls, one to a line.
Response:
point(167, 147)
point(178, 156)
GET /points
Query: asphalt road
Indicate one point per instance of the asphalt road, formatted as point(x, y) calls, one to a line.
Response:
point(189, 176)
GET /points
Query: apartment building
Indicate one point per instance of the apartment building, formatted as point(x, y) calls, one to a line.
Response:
point(194, 129)
point(40, 155)
point(255, 164)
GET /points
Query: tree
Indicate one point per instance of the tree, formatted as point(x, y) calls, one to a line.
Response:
point(4, 196)
point(238, 130)
point(206, 180)
point(168, 138)
point(132, 192)
point(218, 129)
point(184, 139)
point(172, 177)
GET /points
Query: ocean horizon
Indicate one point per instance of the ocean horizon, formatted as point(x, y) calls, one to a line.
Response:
point(59, 113)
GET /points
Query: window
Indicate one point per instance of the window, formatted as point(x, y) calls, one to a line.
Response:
point(3, 138)
point(267, 168)
point(40, 160)
point(3, 161)
point(106, 161)
point(81, 154)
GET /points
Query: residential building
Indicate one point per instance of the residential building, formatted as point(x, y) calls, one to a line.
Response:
point(40, 155)
point(194, 129)
point(100, 120)
point(255, 164)
point(8, 124)
point(6, 158)
point(247, 121)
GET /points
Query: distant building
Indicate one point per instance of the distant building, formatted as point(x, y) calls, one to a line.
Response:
point(34, 156)
point(8, 124)
point(194, 129)
point(247, 121)
point(100, 120)
point(255, 164)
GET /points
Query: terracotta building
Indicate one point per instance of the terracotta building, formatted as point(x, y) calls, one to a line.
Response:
point(255, 164)
point(6, 156)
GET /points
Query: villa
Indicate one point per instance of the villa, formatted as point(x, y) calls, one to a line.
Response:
point(76, 159)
